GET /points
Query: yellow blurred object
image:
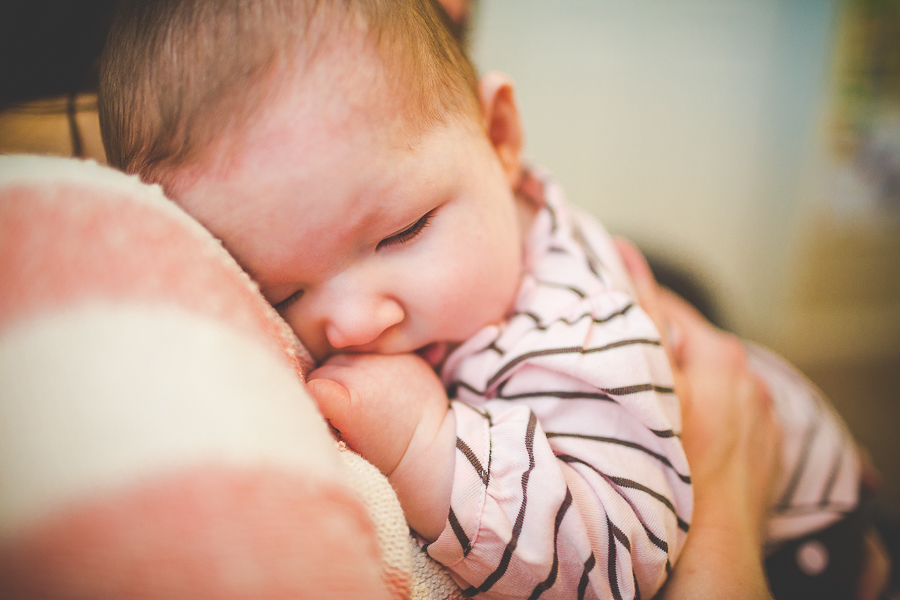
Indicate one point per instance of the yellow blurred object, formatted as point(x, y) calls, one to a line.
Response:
point(59, 126)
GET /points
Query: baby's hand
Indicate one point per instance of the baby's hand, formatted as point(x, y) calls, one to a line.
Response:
point(378, 402)
point(393, 410)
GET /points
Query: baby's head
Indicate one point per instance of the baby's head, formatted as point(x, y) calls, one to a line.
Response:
point(341, 150)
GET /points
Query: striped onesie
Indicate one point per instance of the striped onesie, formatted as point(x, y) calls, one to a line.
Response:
point(570, 478)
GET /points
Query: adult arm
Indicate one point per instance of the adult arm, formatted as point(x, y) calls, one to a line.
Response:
point(731, 440)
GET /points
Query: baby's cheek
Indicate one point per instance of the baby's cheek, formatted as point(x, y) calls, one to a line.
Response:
point(452, 301)
point(476, 298)
point(298, 318)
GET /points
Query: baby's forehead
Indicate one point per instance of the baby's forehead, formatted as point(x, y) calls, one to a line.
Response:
point(382, 82)
point(309, 184)
point(344, 89)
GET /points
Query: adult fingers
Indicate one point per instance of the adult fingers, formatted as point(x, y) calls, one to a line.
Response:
point(729, 421)
point(708, 351)
point(648, 296)
point(871, 477)
point(645, 286)
point(876, 568)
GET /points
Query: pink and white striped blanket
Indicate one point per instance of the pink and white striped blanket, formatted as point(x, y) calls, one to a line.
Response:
point(156, 440)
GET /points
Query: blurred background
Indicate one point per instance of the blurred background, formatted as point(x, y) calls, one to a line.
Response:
point(750, 147)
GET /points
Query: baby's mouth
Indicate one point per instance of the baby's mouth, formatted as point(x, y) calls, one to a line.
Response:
point(434, 353)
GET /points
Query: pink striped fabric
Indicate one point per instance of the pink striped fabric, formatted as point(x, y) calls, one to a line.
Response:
point(156, 440)
point(571, 481)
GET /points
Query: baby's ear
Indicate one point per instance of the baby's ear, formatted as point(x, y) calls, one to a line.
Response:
point(500, 117)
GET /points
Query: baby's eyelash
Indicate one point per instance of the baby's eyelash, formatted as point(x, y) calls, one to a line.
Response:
point(284, 304)
point(407, 235)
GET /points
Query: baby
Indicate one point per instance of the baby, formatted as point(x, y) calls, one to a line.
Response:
point(346, 155)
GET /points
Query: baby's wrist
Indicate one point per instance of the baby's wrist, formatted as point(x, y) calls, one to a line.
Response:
point(423, 479)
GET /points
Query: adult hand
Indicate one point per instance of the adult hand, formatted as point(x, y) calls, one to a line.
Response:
point(729, 430)
point(732, 442)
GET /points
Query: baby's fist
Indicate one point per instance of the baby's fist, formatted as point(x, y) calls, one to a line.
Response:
point(379, 403)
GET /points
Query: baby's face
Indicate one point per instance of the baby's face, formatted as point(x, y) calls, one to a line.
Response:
point(365, 238)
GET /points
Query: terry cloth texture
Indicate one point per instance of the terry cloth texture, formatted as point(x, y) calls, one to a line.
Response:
point(405, 567)
point(157, 441)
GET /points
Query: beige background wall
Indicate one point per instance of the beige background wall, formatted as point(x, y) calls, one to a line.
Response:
point(699, 129)
point(673, 122)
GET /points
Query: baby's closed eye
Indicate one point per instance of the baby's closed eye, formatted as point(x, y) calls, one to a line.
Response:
point(408, 234)
point(284, 304)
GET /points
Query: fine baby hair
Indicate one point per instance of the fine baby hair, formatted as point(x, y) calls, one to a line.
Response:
point(178, 78)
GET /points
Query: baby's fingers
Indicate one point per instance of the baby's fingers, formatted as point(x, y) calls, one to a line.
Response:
point(364, 422)
point(337, 405)
point(333, 400)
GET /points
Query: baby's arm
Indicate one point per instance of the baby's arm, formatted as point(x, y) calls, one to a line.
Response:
point(570, 477)
point(393, 410)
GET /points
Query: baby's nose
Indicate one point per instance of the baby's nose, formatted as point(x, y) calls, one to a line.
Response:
point(361, 323)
